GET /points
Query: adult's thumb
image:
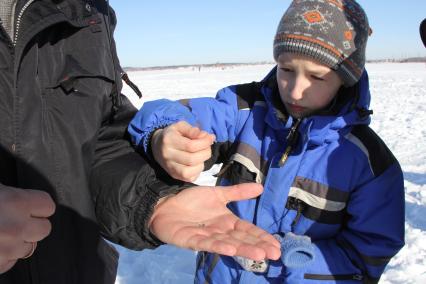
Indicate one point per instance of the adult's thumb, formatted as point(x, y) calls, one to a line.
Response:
point(242, 191)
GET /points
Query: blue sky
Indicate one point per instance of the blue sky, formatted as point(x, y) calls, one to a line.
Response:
point(170, 32)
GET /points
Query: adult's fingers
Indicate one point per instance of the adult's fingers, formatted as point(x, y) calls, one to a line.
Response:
point(257, 232)
point(27, 250)
point(15, 250)
point(40, 203)
point(6, 265)
point(257, 245)
point(36, 229)
point(226, 244)
point(239, 192)
point(212, 244)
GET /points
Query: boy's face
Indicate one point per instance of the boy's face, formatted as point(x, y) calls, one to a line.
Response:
point(305, 85)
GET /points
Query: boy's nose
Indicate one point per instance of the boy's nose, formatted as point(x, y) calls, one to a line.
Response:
point(298, 89)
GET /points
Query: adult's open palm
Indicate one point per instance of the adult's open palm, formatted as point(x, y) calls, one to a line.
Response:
point(197, 218)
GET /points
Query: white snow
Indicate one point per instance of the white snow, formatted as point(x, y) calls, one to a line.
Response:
point(399, 104)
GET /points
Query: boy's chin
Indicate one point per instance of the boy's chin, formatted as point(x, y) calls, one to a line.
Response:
point(298, 115)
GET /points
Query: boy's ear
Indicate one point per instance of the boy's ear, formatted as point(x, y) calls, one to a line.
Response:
point(423, 31)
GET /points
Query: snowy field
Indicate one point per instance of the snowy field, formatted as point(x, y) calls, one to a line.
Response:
point(399, 104)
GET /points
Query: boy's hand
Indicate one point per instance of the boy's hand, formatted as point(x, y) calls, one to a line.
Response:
point(181, 150)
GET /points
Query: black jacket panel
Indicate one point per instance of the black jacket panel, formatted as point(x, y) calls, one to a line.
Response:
point(59, 134)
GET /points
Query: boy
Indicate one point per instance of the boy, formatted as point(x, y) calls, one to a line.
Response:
point(303, 133)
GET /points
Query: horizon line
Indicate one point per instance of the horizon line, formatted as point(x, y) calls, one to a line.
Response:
point(221, 64)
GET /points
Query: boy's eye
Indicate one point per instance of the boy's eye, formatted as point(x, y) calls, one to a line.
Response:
point(317, 78)
point(286, 69)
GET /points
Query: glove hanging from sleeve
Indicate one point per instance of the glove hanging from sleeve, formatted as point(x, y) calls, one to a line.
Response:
point(296, 252)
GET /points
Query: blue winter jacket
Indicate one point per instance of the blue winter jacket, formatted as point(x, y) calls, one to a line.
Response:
point(340, 184)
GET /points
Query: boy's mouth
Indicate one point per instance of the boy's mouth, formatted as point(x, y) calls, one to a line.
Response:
point(295, 108)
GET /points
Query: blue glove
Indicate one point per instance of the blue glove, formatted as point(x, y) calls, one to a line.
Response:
point(296, 251)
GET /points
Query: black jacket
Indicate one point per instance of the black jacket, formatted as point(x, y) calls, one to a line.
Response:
point(59, 133)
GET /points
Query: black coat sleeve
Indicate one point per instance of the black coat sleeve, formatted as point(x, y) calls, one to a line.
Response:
point(125, 186)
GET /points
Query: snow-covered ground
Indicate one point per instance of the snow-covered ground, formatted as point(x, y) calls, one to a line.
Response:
point(399, 104)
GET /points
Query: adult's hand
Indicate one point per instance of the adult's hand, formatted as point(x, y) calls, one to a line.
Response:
point(23, 222)
point(197, 218)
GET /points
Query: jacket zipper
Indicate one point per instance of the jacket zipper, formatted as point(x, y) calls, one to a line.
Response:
point(18, 21)
point(357, 277)
point(291, 141)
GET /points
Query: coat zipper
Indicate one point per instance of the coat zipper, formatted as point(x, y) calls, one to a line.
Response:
point(18, 21)
point(291, 141)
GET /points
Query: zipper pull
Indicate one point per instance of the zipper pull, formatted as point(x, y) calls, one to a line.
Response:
point(299, 208)
point(293, 129)
point(223, 169)
point(291, 139)
point(132, 85)
point(284, 157)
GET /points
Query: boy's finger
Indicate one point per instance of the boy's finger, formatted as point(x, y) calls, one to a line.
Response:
point(185, 173)
point(187, 130)
point(189, 145)
point(191, 159)
point(188, 173)
point(192, 132)
point(205, 134)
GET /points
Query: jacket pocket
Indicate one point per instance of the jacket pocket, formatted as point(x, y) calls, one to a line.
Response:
point(317, 202)
point(79, 77)
point(78, 93)
point(88, 70)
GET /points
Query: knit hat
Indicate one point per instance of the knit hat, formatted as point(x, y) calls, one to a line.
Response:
point(333, 32)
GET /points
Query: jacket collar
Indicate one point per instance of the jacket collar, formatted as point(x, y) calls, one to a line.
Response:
point(77, 12)
point(324, 127)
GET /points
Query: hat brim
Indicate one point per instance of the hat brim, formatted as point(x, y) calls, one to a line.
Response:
point(423, 31)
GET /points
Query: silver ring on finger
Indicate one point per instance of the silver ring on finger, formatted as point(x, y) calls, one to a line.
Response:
point(33, 248)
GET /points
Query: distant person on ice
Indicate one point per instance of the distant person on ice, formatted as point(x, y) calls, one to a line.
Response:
point(333, 192)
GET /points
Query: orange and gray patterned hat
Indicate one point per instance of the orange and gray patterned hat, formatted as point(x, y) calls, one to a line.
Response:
point(332, 32)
